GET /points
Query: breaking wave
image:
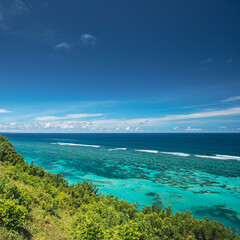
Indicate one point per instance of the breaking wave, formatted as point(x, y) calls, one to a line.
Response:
point(180, 154)
point(76, 144)
point(220, 157)
point(117, 149)
point(147, 151)
point(177, 154)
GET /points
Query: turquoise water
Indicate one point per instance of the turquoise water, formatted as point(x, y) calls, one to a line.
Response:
point(197, 172)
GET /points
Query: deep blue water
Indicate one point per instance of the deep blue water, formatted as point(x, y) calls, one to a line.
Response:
point(197, 172)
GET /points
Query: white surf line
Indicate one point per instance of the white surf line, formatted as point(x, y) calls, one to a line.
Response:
point(220, 157)
point(75, 144)
point(116, 149)
point(177, 154)
point(147, 151)
point(229, 157)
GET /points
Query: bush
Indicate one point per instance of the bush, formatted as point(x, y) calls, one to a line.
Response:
point(9, 190)
point(12, 215)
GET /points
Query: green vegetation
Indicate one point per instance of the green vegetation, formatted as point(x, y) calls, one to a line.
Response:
point(35, 204)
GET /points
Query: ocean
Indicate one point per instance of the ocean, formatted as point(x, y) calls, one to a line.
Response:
point(195, 172)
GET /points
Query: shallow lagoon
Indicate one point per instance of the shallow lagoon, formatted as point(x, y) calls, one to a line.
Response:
point(197, 172)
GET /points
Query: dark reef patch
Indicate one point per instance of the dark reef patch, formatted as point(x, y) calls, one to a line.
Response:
point(156, 198)
point(219, 212)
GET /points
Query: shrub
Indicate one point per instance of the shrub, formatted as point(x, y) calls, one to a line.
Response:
point(12, 215)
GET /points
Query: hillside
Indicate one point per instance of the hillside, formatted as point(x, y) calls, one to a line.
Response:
point(35, 204)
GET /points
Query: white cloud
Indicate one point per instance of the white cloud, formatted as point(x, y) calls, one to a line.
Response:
point(65, 125)
point(127, 128)
point(4, 111)
point(175, 128)
point(193, 129)
point(47, 125)
point(223, 127)
point(231, 99)
point(208, 60)
point(88, 39)
point(69, 116)
point(62, 45)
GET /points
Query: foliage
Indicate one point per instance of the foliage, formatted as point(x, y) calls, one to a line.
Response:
point(35, 204)
point(12, 215)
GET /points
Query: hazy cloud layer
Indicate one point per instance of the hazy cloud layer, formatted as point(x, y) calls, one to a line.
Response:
point(68, 116)
point(231, 99)
point(11, 8)
point(4, 111)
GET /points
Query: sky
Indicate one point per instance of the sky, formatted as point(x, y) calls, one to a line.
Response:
point(120, 66)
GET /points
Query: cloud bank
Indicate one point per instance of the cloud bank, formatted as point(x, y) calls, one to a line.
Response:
point(55, 123)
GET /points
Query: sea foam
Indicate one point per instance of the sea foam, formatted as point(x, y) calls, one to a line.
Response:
point(116, 149)
point(76, 144)
point(220, 157)
point(177, 154)
point(147, 151)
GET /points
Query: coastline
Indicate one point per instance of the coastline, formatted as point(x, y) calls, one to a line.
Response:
point(81, 196)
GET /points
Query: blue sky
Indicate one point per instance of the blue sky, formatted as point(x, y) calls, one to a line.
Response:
point(119, 66)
